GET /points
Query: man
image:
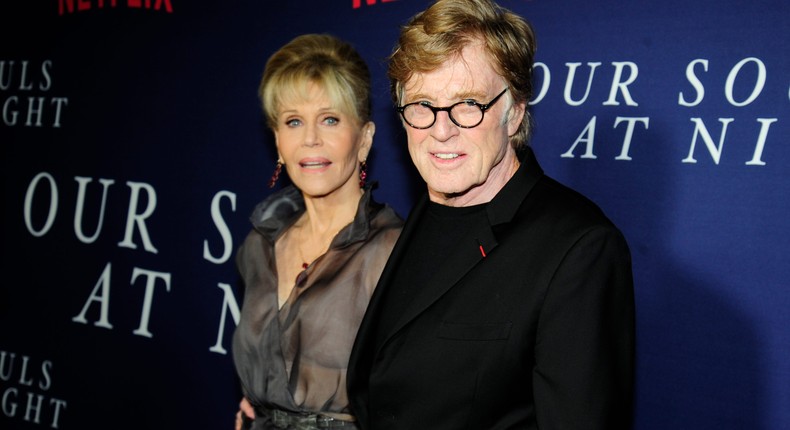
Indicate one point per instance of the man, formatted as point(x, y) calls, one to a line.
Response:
point(507, 302)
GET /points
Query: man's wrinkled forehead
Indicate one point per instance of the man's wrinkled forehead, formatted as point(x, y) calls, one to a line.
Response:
point(456, 78)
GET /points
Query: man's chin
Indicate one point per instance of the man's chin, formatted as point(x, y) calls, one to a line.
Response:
point(448, 193)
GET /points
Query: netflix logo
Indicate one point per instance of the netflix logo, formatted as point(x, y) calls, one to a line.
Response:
point(356, 4)
point(72, 6)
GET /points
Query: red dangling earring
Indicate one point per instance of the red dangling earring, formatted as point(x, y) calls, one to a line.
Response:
point(276, 175)
point(363, 173)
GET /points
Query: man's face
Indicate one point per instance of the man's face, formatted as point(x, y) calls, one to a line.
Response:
point(463, 166)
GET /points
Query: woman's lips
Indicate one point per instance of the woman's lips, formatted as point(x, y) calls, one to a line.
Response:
point(314, 163)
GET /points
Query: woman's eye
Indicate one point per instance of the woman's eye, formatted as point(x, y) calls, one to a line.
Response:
point(331, 120)
point(293, 122)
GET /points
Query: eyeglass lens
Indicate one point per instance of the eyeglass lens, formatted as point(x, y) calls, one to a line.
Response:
point(465, 114)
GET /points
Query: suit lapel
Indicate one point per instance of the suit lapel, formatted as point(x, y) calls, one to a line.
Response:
point(366, 342)
point(451, 268)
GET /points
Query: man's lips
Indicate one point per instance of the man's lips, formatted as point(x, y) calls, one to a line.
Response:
point(446, 155)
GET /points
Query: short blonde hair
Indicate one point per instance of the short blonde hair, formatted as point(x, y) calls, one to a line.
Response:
point(320, 59)
point(441, 32)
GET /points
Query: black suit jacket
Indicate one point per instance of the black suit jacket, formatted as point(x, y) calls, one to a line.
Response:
point(536, 334)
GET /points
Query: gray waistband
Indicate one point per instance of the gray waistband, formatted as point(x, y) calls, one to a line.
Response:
point(303, 420)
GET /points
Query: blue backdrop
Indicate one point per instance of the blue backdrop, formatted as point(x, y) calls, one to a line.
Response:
point(133, 150)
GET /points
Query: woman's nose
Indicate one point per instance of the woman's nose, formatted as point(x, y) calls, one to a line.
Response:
point(312, 135)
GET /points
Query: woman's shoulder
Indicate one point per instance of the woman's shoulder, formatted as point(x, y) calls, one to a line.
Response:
point(385, 228)
point(388, 218)
point(278, 207)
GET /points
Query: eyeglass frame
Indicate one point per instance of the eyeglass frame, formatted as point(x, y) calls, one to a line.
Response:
point(483, 108)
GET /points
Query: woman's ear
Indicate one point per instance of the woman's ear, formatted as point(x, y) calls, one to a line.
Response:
point(368, 131)
point(277, 144)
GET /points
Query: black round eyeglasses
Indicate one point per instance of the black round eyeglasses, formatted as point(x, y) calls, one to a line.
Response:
point(465, 114)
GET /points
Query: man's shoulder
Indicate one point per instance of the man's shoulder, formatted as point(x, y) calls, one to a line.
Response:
point(550, 200)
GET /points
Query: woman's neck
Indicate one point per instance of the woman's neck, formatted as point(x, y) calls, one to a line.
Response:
point(323, 219)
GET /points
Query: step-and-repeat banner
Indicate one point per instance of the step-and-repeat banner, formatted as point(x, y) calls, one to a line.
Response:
point(133, 150)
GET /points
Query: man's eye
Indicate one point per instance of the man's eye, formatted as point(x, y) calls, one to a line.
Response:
point(422, 106)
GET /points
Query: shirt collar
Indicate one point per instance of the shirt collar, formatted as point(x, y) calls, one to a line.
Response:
point(279, 211)
point(502, 208)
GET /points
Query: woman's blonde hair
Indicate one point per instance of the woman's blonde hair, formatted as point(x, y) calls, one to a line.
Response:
point(441, 32)
point(322, 60)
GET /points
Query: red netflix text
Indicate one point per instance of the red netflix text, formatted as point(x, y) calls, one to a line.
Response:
point(71, 6)
point(356, 4)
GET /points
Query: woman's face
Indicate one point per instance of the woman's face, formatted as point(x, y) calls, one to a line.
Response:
point(320, 145)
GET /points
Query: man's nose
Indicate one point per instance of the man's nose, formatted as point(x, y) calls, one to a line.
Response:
point(443, 128)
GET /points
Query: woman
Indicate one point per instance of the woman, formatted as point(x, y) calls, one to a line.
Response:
point(318, 247)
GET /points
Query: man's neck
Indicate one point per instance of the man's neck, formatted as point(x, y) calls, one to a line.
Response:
point(497, 178)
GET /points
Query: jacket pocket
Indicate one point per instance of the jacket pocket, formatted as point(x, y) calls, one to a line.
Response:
point(466, 331)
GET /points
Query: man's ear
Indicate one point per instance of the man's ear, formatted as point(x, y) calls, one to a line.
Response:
point(515, 117)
